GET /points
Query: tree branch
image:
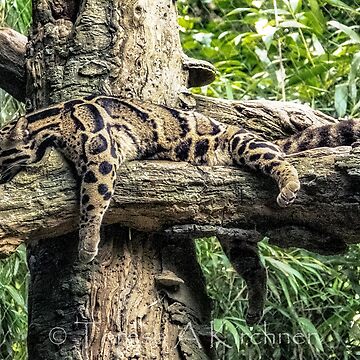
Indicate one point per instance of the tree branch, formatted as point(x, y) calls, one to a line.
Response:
point(270, 119)
point(12, 63)
point(150, 196)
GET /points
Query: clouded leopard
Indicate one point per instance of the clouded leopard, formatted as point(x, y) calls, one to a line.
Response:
point(99, 133)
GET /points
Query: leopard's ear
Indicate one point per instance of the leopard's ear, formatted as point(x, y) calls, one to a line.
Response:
point(20, 130)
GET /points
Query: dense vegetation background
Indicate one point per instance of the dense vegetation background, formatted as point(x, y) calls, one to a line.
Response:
point(291, 50)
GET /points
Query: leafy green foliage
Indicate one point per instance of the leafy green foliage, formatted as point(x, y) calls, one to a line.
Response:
point(303, 50)
point(312, 311)
point(16, 14)
point(13, 307)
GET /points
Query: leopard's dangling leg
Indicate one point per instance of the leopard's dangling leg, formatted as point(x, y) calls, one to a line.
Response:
point(246, 149)
point(98, 175)
point(240, 246)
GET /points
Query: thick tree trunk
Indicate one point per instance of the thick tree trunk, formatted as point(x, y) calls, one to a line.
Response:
point(122, 306)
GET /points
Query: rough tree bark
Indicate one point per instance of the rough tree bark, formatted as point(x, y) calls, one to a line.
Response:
point(82, 302)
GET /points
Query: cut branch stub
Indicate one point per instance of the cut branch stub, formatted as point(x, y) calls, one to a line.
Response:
point(201, 72)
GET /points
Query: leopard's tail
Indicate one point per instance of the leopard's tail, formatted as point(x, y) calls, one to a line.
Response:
point(344, 133)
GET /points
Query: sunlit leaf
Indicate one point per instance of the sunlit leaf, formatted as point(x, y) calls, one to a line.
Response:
point(353, 76)
point(239, 10)
point(292, 24)
point(295, 5)
point(286, 268)
point(341, 97)
point(342, 5)
point(346, 29)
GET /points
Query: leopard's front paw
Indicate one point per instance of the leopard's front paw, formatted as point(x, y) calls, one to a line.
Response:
point(89, 241)
point(288, 193)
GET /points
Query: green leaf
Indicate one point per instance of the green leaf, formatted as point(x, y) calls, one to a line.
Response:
point(316, 17)
point(348, 31)
point(218, 325)
point(311, 333)
point(233, 331)
point(355, 109)
point(292, 24)
point(295, 5)
point(307, 73)
point(341, 97)
point(237, 39)
point(239, 11)
point(15, 295)
point(244, 329)
point(286, 269)
point(185, 23)
point(315, 22)
point(273, 289)
point(285, 290)
point(354, 72)
point(342, 5)
point(229, 91)
point(318, 48)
